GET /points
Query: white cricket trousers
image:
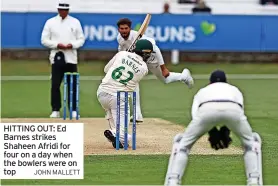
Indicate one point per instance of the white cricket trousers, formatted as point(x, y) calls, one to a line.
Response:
point(208, 116)
point(224, 113)
point(109, 104)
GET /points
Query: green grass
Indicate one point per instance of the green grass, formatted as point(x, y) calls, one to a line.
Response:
point(150, 170)
point(19, 68)
point(171, 102)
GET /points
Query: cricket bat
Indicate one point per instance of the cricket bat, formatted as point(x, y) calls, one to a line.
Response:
point(141, 32)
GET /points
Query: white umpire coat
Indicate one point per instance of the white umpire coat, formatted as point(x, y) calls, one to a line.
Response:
point(67, 31)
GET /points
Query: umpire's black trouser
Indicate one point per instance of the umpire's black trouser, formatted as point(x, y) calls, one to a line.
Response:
point(57, 76)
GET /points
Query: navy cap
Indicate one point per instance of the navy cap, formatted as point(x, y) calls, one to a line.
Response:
point(218, 76)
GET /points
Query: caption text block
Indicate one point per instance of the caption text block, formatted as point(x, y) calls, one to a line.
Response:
point(41, 150)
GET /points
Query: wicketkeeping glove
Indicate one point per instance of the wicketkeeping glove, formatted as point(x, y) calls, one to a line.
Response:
point(225, 136)
point(215, 139)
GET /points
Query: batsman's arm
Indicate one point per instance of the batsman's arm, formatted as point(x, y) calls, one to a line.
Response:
point(46, 37)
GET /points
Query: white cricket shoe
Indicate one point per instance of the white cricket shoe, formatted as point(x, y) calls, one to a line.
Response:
point(188, 80)
point(173, 182)
point(74, 114)
point(253, 179)
point(55, 114)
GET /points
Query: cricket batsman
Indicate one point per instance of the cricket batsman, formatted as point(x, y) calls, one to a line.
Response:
point(123, 73)
point(219, 103)
point(155, 62)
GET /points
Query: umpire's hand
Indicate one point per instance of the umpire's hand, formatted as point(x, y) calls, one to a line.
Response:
point(61, 46)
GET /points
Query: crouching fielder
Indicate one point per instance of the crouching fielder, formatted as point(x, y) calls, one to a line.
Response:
point(123, 73)
point(217, 103)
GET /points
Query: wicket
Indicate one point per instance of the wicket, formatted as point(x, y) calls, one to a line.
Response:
point(126, 122)
point(66, 75)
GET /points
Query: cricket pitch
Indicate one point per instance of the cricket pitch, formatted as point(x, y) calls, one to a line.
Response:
point(154, 136)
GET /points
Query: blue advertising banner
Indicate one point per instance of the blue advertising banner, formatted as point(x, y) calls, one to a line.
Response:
point(182, 32)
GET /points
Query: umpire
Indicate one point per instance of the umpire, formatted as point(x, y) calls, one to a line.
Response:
point(63, 35)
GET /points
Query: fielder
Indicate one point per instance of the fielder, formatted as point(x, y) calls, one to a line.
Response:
point(155, 63)
point(123, 73)
point(217, 103)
